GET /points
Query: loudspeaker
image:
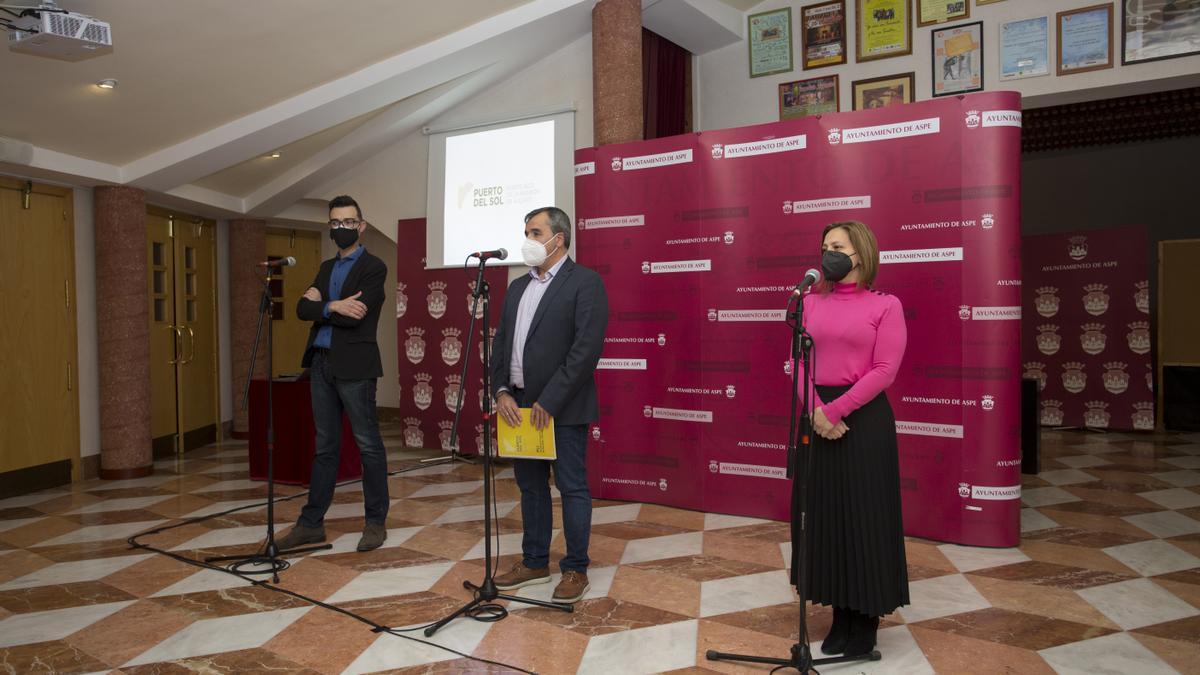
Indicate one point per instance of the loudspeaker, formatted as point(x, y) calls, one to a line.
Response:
point(1181, 398)
point(1031, 427)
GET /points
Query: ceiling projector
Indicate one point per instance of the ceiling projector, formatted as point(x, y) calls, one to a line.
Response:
point(56, 33)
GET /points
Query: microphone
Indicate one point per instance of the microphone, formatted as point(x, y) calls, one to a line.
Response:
point(281, 262)
point(498, 254)
point(811, 277)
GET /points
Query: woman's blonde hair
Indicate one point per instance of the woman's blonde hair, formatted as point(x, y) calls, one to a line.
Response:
point(863, 240)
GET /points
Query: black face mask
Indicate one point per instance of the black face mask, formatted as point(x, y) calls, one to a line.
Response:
point(343, 238)
point(835, 265)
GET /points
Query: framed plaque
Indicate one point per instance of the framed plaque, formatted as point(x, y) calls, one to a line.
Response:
point(1085, 39)
point(957, 59)
point(1152, 30)
point(883, 28)
point(802, 98)
point(823, 34)
point(770, 42)
point(883, 92)
point(1025, 48)
point(930, 12)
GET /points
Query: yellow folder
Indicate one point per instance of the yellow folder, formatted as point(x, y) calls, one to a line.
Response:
point(524, 441)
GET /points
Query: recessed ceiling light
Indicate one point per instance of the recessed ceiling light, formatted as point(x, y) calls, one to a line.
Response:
point(276, 154)
point(108, 83)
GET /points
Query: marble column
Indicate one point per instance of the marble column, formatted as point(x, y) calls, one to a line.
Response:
point(123, 332)
point(617, 71)
point(247, 246)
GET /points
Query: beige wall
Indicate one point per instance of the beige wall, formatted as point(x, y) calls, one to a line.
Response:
point(224, 355)
point(85, 323)
point(728, 97)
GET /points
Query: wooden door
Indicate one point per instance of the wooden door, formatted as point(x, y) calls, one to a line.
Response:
point(165, 339)
point(184, 406)
point(39, 404)
point(291, 334)
point(1178, 318)
point(196, 319)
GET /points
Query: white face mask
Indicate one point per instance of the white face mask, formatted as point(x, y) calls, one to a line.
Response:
point(534, 252)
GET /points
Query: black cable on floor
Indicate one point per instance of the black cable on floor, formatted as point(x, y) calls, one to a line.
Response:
point(262, 583)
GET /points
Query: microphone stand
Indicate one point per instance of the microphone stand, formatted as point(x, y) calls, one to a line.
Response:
point(270, 554)
point(802, 355)
point(455, 455)
point(483, 607)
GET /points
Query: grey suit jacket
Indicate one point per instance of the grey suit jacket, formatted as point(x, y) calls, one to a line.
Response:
point(563, 346)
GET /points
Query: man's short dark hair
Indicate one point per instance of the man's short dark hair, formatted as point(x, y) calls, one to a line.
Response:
point(345, 200)
point(560, 222)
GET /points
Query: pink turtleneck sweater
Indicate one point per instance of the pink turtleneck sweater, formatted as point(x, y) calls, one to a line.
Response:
point(859, 338)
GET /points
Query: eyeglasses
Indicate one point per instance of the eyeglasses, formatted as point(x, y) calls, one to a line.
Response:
point(347, 224)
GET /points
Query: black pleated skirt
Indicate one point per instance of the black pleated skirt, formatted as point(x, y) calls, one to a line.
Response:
point(854, 556)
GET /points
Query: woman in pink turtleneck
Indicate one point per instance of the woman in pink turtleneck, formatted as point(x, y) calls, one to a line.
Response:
point(854, 555)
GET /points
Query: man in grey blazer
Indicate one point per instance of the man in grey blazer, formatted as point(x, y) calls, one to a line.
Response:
point(545, 354)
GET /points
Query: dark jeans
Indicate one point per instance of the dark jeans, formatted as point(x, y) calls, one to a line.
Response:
point(570, 476)
point(330, 396)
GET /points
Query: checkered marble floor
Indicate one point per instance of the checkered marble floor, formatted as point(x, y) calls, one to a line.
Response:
point(1107, 579)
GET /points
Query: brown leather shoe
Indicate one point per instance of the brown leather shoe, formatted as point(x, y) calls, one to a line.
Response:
point(520, 576)
point(373, 536)
point(301, 536)
point(572, 587)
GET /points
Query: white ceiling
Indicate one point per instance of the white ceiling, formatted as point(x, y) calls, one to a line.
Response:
point(243, 179)
point(742, 5)
point(188, 66)
point(208, 88)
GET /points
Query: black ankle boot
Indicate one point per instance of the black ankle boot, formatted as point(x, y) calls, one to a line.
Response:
point(862, 634)
point(839, 632)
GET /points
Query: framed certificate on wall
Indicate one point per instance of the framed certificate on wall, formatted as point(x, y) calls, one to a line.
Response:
point(883, 28)
point(1085, 39)
point(1025, 48)
point(770, 42)
point(957, 59)
point(1159, 29)
point(930, 12)
point(883, 92)
point(823, 34)
point(802, 98)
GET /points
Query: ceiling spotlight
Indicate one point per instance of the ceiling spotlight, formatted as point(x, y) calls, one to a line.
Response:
point(108, 83)
point(276, 154)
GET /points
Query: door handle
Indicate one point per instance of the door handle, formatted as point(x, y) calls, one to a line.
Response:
point(176, 336)
point(191, 341)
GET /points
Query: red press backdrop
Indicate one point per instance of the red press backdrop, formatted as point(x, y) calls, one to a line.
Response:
point(433, 312)
point(1087, 301)
point(701, 237)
